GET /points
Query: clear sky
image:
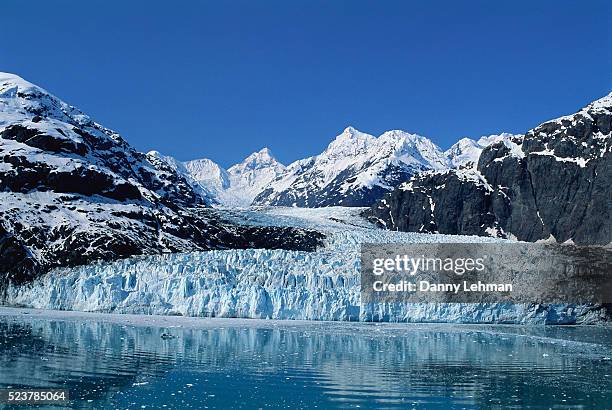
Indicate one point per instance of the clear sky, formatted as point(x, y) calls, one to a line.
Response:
point(220, 79)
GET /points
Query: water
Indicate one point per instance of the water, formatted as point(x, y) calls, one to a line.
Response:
point(124, 362)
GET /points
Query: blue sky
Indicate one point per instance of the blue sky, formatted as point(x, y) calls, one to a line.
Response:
point(222, 79)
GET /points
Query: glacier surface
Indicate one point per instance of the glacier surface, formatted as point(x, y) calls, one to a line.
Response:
point(274, 284)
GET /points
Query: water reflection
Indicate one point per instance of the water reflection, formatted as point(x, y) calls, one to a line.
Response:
point(246, 364)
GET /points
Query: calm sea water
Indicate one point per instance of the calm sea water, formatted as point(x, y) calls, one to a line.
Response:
point(208, 363)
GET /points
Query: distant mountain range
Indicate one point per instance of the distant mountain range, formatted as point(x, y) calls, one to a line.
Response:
point(356, 169)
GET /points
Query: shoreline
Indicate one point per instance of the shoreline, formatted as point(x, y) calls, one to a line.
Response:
point(216, 322)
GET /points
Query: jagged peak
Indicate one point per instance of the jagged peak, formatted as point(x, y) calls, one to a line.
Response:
point(263, 156)
point(257, 160)
point(352, 133)
point(265, 151)
point(155, 154)
point(201, 164)
point(25, 99)
point(408, 139)
point(465, 140)
point(349, 143)
point(350, 130)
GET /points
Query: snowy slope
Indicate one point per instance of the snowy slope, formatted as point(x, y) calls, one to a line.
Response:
point(42, 129)
point(259, 283)
point(464, 152)
point(250, 176)
point(354, 170)
point(238, 185)
point(73, 191)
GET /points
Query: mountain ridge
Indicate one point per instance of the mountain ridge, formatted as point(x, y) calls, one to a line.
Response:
point(552, 184)
point(355, 169)
point(73, 192)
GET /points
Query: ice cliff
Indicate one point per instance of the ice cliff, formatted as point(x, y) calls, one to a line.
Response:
point(275, 284)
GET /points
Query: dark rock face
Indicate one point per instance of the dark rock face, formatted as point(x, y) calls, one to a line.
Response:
point(73, 192)
point(16, 259)
point(430, 205)
point(553, 182)
point(114, 232)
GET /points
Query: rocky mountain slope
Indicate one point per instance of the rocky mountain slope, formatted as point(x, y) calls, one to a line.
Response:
point(73, 191)
point(239, 184)
point(552, 184)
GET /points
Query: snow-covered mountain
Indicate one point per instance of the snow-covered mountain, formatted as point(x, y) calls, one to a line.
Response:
point(250, 176)
point(354, 170)
point(466, 151)
point(73, 191)
point(551, 184)
point(209, 174)
point(238, 185)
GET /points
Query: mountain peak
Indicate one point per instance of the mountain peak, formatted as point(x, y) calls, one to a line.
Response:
point(351, 132)
point(25, 100)
point(14, 79)
point(349, 143)
point(155, 154)
point(11, 84)
point(352, 136)
point(467, 151)
point(259, 159)
point(465, 141)
point(264, 153)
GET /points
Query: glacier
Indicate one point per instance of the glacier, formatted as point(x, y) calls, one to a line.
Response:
point(270, 284)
